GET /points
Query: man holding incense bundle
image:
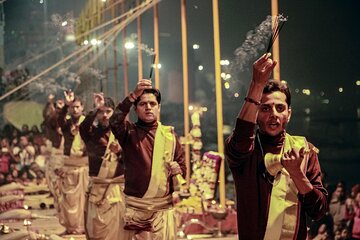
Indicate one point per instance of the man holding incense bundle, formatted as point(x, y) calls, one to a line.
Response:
point(104, 206)
point(153, 159)
point(277, 176)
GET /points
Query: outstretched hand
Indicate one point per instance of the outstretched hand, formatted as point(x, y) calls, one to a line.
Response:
point(50, 98)
point(262, 69)
point(69, 97)
point(141, 86)
point(99, 100)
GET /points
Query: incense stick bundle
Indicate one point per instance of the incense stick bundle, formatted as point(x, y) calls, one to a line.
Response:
point(152, 66)
point(279, 22)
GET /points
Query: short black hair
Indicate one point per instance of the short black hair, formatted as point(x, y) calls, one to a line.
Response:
point(78, 99)
point(108, 102)
point(281, 86)
point(154, 91)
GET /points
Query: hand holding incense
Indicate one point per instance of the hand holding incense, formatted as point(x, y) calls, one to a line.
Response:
point(279, 22)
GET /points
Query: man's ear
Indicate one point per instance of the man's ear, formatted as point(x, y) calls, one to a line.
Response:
point(288, 120)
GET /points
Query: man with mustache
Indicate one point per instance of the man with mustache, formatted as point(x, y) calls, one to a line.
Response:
point(73, 176)
point(104, 205)
point(152, 156)
point(277, 176)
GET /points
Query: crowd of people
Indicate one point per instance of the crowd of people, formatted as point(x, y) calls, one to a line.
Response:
point(342, 220)
point(22, 155)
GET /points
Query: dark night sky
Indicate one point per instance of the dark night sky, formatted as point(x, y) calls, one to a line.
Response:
point(319, 47)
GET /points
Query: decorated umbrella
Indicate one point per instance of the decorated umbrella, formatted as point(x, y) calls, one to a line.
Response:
point(23, 112)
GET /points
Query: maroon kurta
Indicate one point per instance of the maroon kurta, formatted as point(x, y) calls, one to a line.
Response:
point(96, 139)
point(137, 141)
point(52, 127)
point(66, 125)
point(253, 183)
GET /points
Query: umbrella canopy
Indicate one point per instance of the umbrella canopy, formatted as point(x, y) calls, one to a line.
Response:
point(23, 112)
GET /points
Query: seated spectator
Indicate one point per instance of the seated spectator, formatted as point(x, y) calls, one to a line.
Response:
point(6, 156)
point(353, 214)
point(322, 233)
point(337, 205)
point(25, 129)
point(26, 152)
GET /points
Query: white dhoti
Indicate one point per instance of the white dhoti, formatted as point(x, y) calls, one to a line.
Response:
point(54, 161)
point(72, 188)
point(104, 210)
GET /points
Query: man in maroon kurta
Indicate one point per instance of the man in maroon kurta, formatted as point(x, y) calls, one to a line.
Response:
point(104, 205)
point(73, 176)
point(138, 141)
point(55, 152)
point(277, 176)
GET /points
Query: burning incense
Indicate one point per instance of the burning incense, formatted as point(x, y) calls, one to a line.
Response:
point(152, 66)
point(278, 25)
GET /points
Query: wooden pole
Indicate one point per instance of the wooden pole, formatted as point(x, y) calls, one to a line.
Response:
point(139, 40)
point(156, 45)
point(186, 86)
point(219, 112)
point(125, 59)
point(276, 45)
point(115, 82)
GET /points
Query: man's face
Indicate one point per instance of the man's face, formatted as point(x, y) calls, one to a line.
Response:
point(274, 113)
point(147, 108)
point(24, 141)
point(339, 192)
point(76, 109)
point(103, 115)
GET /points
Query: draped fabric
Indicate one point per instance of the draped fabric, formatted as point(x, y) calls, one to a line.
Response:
point(72, 189)
point(284, 204)
point(104, 209)
point(163, 153)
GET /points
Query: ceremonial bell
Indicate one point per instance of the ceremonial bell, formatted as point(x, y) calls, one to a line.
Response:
point(178, 181)
point(273, 163)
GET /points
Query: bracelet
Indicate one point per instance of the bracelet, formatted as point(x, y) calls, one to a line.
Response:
point(250, 100)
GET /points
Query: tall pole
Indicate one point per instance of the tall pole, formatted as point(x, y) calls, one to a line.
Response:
point(186, 86)
point(139, 51)
point(2, 26)
point(45, 20)
point(125, 58)
point(218, 86)
point(156, 45)
point(276, 45)
point(116, 83)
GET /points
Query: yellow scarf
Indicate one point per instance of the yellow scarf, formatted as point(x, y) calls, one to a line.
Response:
point(164, 147)
point(283, 214)
point(109, 163)
point(77, 147)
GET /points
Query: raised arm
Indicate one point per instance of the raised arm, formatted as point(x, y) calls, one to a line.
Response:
point(262, 69)
point(61, 116)
point(240, 143)
point(85, 126)
point(118, 123)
